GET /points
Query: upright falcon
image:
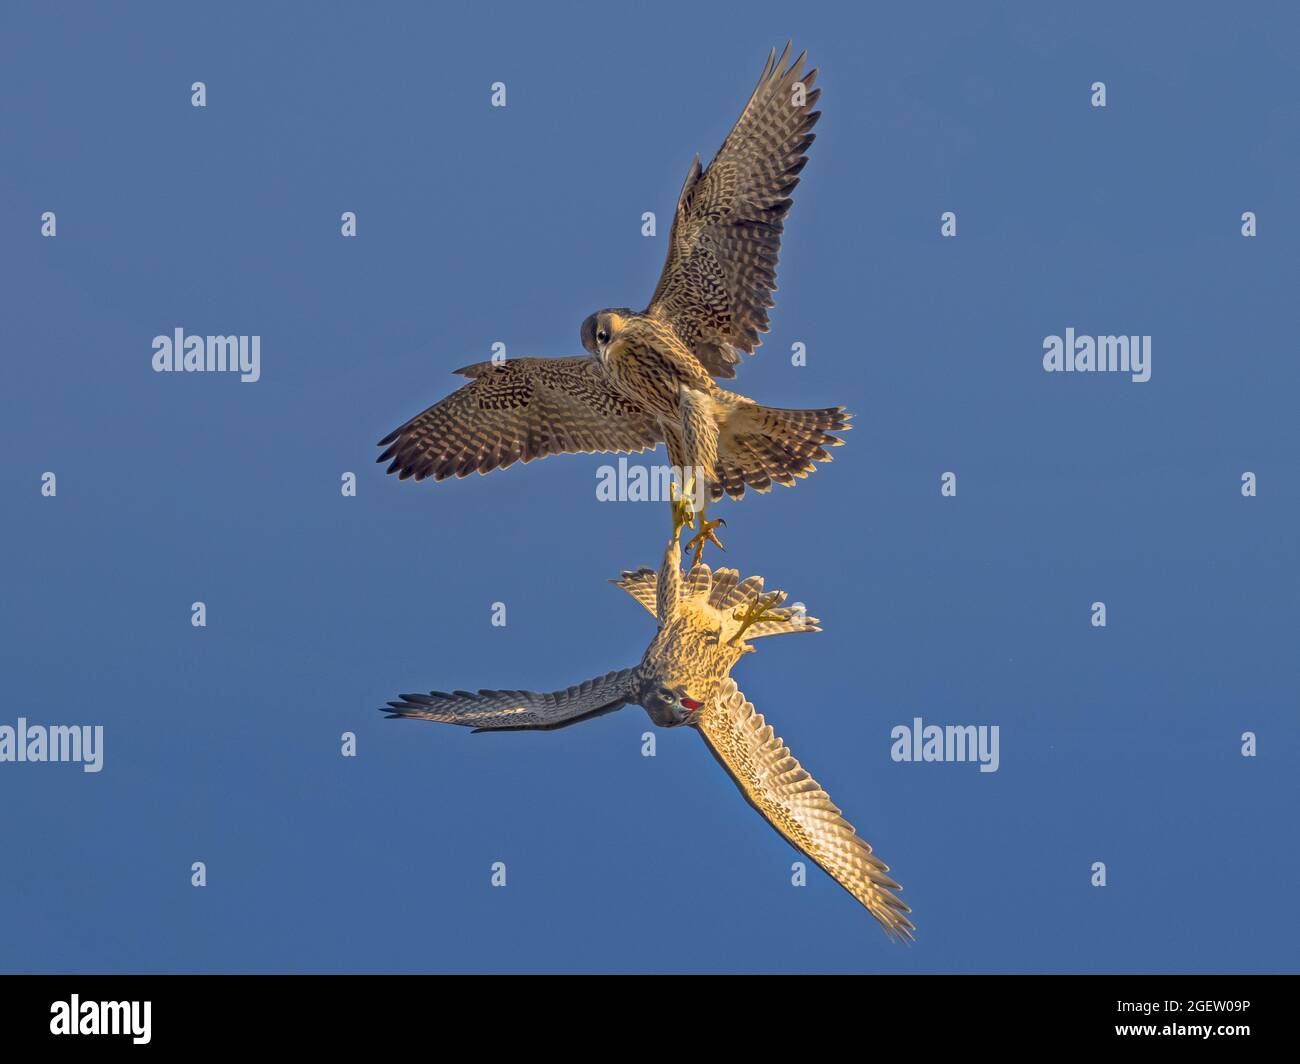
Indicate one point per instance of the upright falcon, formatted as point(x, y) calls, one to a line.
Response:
point(648, 377)
point(705, 621)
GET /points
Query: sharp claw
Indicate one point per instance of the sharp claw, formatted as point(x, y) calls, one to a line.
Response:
point(705, 536)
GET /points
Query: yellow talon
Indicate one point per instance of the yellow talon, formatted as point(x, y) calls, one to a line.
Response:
point(758, 609)
point(705, 536)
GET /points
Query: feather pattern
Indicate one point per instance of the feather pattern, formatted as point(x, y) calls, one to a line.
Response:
point(515, 411)
point(717, 283)
point(795, 804)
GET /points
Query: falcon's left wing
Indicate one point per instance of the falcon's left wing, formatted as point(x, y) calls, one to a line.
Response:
point(775, 784)
point(718, 280)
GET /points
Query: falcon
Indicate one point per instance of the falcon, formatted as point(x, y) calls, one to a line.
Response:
point(707, 620)
point(648, 376)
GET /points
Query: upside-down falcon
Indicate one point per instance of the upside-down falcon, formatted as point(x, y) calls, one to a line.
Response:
point(706, 619)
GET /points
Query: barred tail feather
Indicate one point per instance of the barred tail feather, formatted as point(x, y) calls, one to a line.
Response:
point(724, 591)
point(762, 445)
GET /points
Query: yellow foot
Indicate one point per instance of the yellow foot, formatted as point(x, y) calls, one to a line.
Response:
point(704, 537)
point(683, 512)
point(757, 610)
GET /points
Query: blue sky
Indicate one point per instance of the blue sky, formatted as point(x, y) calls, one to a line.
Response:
point(479, 225)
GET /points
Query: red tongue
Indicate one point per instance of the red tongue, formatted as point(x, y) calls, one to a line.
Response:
point(690, 703)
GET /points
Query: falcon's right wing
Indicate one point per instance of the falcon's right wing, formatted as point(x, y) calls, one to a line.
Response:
point(518, 410)
point(775, 784)
point(519, 710)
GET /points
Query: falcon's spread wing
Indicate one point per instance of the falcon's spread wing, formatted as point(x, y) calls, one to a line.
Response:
point(718, 280)
point(518, 410)
point(519, 710)
point(775, 784)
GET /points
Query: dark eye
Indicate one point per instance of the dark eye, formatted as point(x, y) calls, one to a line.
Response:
point(689, 703)
point(602, 336)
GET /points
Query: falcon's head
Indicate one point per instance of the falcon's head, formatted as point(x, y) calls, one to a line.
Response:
point(603, 328)
point(667, 705)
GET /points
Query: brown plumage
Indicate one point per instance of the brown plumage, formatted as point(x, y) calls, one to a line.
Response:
point(518, 410)
point(651, 375)
point(706, 622)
